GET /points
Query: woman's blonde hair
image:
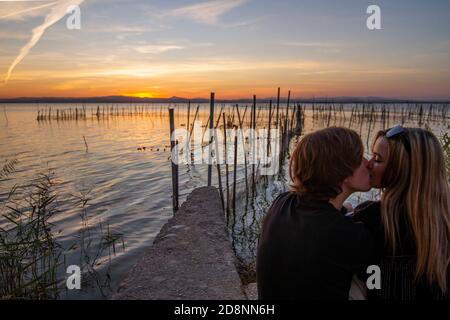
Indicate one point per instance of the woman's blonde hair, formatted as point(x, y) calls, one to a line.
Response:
point(415, 184)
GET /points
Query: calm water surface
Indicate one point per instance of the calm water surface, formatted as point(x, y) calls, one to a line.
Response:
point(129, 190)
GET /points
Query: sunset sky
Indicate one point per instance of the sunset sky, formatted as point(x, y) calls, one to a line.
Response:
point(236, 48)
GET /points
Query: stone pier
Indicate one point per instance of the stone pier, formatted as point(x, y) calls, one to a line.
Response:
point(191, 258)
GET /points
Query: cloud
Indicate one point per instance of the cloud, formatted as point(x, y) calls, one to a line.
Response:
point(207, 12)
point(156, 48)
point(12, 35)
point(58, 11)
point(308, 44)
point(220, 64)
point(19, 10)
point(165, 46)
point(127, 29)
point(324, 47)
point(125, 32)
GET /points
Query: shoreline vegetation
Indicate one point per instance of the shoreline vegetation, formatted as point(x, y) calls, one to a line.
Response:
point(32, 261)
point(129, 99)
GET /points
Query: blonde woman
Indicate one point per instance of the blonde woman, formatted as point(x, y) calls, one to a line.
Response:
point(411, 223)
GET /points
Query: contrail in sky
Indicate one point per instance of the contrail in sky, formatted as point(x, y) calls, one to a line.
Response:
point(16, 13)
point(57, 13)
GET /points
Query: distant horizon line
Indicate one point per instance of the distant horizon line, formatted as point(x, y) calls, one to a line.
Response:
point(175, 99)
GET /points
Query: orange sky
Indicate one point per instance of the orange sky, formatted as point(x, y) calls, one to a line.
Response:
point(235, 48)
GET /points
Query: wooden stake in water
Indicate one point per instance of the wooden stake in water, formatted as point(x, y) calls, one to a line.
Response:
point(253, 142)
point(187, 145)
point(291, 126)
point(174, 162)
point(278, 108)
point(6, 116)
point(211, 127)
point(287, 116)
point(235, 173)
point(298, 126)
point(243, 148)
point(193, 122)
point(219, 173)
point(269, 128)
point(226, 162)
point(85, 143)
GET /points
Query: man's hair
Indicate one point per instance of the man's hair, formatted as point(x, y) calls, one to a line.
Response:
point(322, 160)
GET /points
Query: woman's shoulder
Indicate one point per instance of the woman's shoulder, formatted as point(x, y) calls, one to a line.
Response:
point(368, 206)
point(368, 210)
point(369, 213)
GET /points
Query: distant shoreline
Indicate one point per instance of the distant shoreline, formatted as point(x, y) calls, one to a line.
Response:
point(125, 99)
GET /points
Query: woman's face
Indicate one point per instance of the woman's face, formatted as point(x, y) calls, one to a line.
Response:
point(377, 164)
point(360, 180)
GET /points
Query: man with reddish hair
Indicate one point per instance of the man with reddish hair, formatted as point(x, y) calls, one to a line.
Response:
point(308, 249)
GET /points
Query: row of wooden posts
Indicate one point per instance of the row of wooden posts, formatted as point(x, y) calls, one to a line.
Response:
point(422, 113)
point(372, 112)
point(103, 112)
point(289, 123)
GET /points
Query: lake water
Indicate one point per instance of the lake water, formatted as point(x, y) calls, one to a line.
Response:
point(129, 188)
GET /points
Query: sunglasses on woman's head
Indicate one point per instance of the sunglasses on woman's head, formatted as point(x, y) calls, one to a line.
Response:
point(397, 130)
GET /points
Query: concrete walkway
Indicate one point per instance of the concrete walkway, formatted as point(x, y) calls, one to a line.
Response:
point(191, 258)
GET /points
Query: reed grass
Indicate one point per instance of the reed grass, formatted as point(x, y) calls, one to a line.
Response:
point(32, 261)
point(8, 168)
point(93, 239)
point(29, 254)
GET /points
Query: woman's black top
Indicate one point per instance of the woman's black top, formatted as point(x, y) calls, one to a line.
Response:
point(397, 272)
point(309, 250)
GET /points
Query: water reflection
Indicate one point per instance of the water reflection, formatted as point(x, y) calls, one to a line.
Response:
point(130, 189)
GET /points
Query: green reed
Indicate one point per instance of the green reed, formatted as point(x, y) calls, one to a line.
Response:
point(29, 254)
point(32, 262)
point(8, 167)
point(93, 240)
